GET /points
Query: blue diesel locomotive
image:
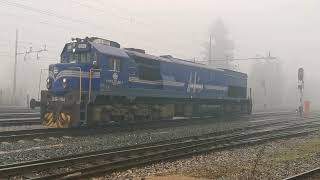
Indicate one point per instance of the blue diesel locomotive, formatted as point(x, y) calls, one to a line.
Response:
point(98, 82)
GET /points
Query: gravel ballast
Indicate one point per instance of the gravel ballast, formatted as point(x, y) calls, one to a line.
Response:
point(272, 160)
point(232, 164)
point(40, 148)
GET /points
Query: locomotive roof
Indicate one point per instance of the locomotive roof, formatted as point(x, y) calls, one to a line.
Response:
point(184, 62)
point(113, 51)
point(171, 60)
point(125, 53)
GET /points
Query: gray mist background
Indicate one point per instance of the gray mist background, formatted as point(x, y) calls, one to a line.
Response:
point(289, 29)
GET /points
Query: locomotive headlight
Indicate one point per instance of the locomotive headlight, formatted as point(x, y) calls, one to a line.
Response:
point(49, 83)
point(64, 82)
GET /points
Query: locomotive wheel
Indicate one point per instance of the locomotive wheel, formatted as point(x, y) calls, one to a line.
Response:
point(57, 120)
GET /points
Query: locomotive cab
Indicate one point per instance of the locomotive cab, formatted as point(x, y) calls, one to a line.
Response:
point(73, 82)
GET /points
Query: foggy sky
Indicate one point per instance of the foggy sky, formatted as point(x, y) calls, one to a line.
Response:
point(289, 29)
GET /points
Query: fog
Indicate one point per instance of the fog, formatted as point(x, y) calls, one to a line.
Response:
point(286, 28)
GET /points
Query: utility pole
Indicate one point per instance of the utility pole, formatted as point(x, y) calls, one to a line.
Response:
point(265, 94)
point(15, 67)
point(16, 53)
point(210, 51)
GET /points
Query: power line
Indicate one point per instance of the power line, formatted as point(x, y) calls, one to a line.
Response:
point(6, 55)
point(100, 10)
point(247, 59)
point(97, 1)
point(68, 29)
point(24, 42)
point(129, 19)
point(243, 59)
point(52, 14)
point(47, 13)
point(65, 28)
point(63, 18)
point(43, 60)
point(5, 40)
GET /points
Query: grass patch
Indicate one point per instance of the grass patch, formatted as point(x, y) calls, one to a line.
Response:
point(305, 150)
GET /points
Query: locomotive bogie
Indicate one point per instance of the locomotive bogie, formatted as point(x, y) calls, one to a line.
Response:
point(128, 113)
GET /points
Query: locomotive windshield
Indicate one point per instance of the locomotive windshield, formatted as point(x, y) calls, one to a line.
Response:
point(79, 57)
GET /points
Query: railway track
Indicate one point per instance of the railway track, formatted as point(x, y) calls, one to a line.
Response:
point(43, 133)
point(19, 118)
point(263, 114)
point(312, 174)
point(33, 118)
point(101, 162)
point(19, 121)
point(19, 115)
point(17, 110)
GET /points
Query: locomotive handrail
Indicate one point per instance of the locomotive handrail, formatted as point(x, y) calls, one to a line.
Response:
point(80, 80)
point(90, 81)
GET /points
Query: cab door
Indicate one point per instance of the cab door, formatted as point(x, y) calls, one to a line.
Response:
point(113, 72)
point(192, 82)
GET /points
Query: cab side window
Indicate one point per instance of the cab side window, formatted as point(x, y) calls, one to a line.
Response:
point(83, 58)
point(75, 58)
point(114, 64)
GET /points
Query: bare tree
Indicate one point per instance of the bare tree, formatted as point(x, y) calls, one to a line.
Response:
point(219, 47)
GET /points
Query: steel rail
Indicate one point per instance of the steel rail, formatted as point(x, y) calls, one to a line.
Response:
point(214, 134)
point(305, 175)
point(140, 153)
point(217, 133)
point(19, 115)
point(144, 160)
point(42, 133)
point(19, 110)
point(28, 118)
point(262, 114)
point(19, 122)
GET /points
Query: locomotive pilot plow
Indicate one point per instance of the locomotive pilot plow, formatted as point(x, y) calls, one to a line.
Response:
point(57, 120)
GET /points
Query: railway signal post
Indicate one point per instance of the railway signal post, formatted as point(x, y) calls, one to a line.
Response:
point(300, 87)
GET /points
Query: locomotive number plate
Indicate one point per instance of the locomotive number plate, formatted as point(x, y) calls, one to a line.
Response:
point(56, 98)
